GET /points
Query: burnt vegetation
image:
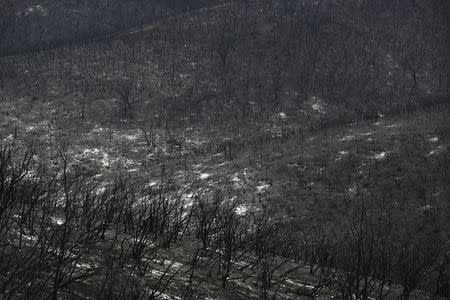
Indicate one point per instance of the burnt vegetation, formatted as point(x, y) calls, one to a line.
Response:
point(266, 149)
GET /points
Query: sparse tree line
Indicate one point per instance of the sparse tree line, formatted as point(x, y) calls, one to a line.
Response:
point(369, 250)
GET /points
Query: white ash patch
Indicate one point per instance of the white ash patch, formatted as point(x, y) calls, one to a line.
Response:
point(427, 207)
point(152, 183)
point(188, 200)
point(347, 138)
point(438, 150)
point(317, 104)
point(100, 190)
point(105, 161)
point(262, 187)
point(157, 273)
point(433, 139)
point(195, 142)
point(241, 210)
point(164, 296)
point(129, 137)
point(352, 190)
point(241, 263)
point(97, 129)
point(245, 209)
point(317, 107)
point(246, 286)
point(236, 178)
point(57, 220)
point(366, 133)
point(300, 284)
point(238, 183)
point(168, 263)
point(84, 266)
point(32, 174)
point(147, 242)
point(142, 200)
point(103, 158)
point(380, 156)
point(393, 126)
point(88, 152)
point(36, 9)
point(341, 154)
point(8, 138)
point(204, 176)
point(282, 115)
point(25, 237)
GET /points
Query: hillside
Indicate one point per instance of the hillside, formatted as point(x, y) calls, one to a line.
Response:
point(249, 150)
point(286, 176)
point(30, 25)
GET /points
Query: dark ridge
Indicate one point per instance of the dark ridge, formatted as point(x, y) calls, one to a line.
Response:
point(32, 25)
